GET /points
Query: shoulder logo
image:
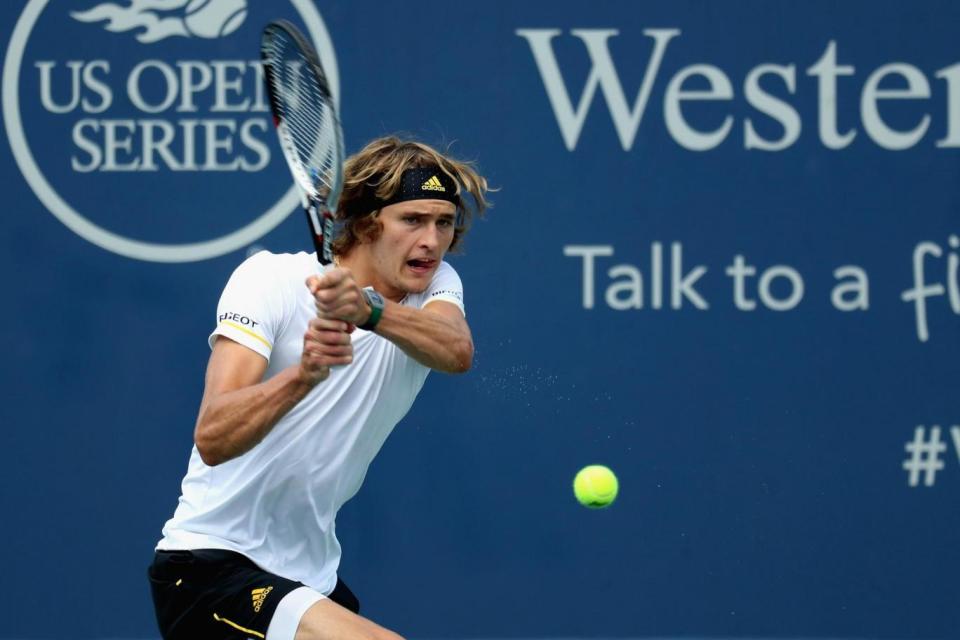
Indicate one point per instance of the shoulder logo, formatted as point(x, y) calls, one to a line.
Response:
point(433, 184)
point(259, 595)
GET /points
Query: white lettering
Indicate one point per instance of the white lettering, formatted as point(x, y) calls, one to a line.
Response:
point(170, 83)
point(85, 144)
point(259, 148)
point(796, 288)
point(952, 76)
point(627, 115)
point(682, 287)
point(739, 271)
point(192, 83)
point(225, 85)
point(953, 282)
point(46, 91)
point(189, 128)
point(115, 141)
point(877, 129)
point(857, 288)
point(632, 285)
point(215, 144)
point(827, 71)
point(98, 86)
point(921, 291)
point(626, 289)
point(588, 253)
point(656, 275)
point(152, 146)
point(777, 109)
point(683, 133)
point(602, 73)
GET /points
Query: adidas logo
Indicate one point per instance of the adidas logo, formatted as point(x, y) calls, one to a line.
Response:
point(433, 184)
point(259, 595)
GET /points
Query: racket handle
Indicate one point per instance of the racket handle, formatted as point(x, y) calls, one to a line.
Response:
point(321, 229)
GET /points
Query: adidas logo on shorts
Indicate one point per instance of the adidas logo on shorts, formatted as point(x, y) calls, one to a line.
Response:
point(259, 595)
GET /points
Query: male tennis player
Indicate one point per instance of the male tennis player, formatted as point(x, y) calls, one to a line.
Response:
point(297, 403)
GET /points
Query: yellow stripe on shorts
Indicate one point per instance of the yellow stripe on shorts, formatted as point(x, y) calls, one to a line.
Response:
point(238, 627)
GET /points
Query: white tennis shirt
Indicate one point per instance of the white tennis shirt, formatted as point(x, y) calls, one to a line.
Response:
point(276, 504)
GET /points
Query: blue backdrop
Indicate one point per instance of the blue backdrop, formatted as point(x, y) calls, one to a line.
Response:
point(722, 261)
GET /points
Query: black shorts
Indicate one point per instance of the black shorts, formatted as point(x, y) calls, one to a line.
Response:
point(211, 594)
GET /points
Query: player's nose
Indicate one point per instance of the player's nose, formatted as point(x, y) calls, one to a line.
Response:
point(430, 237)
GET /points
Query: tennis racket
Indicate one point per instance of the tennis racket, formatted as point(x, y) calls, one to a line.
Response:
point(307, 125)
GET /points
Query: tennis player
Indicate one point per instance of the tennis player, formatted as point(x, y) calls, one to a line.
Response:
point(309, 373)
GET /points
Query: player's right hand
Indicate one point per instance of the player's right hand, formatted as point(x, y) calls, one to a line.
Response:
point(326, 343)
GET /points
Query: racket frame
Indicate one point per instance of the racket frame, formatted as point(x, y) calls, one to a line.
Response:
point(318, 209)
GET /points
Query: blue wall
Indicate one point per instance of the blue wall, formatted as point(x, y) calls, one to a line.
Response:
point(758, 431)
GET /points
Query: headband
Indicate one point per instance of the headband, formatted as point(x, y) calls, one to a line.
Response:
point(419, 183)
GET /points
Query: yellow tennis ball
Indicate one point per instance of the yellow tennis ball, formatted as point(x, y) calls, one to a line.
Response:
point(595, 486)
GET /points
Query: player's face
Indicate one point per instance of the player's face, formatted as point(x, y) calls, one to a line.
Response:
point(416, 235)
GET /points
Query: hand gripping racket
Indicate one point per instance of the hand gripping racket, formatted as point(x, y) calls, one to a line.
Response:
point(307, 125)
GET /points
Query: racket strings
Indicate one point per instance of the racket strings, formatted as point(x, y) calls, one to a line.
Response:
point(304, 106)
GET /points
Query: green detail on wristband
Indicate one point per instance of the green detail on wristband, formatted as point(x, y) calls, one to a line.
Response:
point(376, 303)
point(375, 313)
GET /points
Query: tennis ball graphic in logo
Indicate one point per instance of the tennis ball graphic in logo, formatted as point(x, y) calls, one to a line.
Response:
point(215, 18)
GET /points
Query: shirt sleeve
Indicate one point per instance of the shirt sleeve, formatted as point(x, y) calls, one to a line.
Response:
point(252, 307)
point(446, 286)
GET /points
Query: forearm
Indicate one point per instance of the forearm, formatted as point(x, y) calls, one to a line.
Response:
point(234, 422)
point(429, 338)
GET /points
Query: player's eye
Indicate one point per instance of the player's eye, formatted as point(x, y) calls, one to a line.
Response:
point(445, 222)
point(411, 219)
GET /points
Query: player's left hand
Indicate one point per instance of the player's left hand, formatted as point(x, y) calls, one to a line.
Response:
point(337, 295)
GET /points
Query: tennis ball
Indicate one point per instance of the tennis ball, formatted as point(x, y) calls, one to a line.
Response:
point(595, 486)
point(215, 18)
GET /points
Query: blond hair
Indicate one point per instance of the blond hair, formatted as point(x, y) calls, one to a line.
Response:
point(380, 166)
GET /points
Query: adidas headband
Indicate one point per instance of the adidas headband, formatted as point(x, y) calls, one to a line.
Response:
point(419, 183)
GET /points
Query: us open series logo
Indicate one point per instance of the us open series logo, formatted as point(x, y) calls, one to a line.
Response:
point(144, 125)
